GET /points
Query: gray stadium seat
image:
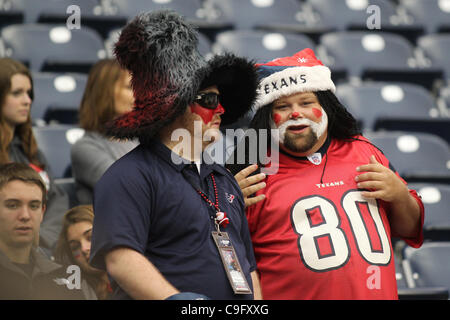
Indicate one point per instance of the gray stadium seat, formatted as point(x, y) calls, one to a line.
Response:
point(346, 15)
point(381, 56)
point(436, 200)
point(11, 12)
point(53, 47)
point(429, 265)
point(434, 15)
point(436, 48)
point(261, 45)
point(418, 157)
point(278, 16)
point(57, 97)
point(55, 142)
point(91, 13)
point(394, 107)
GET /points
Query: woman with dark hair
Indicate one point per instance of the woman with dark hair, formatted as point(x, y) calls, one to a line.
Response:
point(74, 247)
point(107, 95)
point(17, 142)
point(332, 199)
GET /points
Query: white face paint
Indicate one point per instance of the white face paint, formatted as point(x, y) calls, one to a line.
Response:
point(317, 128)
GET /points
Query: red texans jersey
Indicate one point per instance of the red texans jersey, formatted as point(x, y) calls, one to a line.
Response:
point(316, 237)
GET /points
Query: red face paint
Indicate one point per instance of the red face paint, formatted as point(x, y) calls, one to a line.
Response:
point(295, 115)
point(317, 112)
point(205, 113)
point(276, 118)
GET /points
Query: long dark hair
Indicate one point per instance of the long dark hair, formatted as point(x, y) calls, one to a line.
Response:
point(341, 125)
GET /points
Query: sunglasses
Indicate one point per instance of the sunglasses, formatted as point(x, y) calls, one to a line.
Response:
point(209, 100)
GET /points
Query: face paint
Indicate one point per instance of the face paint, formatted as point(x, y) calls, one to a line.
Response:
point(295, 115)
point(317, 112)
point(205, 113)
point(276, 118)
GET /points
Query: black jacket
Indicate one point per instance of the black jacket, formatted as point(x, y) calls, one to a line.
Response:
point(45, 283)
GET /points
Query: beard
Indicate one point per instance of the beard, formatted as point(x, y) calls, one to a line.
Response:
point(300, 143)
point(305, 141)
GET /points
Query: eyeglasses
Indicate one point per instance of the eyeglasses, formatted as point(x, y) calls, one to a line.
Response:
point(209, 100)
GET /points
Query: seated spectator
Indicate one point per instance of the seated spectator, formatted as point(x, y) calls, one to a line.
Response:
point(17, 143)
point(108, 94)
point(25, 273)
point(74, 246)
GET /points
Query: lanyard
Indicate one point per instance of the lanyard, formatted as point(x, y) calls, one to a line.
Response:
point(221, 217)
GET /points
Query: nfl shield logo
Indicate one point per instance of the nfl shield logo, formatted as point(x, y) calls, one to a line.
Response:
point(315, 158)
point(230, 197)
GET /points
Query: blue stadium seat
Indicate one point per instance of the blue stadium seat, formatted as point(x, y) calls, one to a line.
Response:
point(91, 14)
point(436, 48)
point(347, 15)
point(55, 142)
point(394, 107)
point(57, 97)
point(381, 56)
point(260, 45)
point(436, 200)
point(11, 12)
point(129, 9)
point(53, 47)
point(433, 14)
point(418, 157)
point(195, 11)
point(429, 265)
point(280, 16)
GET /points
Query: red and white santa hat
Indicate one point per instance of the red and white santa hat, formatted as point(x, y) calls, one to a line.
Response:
point(301, 72)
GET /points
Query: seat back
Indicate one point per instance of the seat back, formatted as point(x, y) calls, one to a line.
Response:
point(359, 50)
point(260, 45)
point(57, 97)
point(433, 15)
point(373, 102)
point(418, 157)
point(53, 47)
point(55, 143)
point(430, 264)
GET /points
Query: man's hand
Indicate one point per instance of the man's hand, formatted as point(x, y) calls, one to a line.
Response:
point(251, 184)
point(381, 182)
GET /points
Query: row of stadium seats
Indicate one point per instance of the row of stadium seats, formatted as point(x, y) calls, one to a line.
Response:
point(376, 105)
point(364, 55)
point(410, 17)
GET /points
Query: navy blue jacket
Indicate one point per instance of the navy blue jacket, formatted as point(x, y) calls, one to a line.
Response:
point(144, 202)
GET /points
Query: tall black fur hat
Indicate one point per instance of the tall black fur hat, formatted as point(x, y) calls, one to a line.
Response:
point(159, 48)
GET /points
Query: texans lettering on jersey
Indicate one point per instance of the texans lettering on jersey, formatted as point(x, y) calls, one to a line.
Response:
point(321, 239)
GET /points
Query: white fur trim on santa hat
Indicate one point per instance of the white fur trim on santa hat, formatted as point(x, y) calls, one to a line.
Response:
point(293, 80)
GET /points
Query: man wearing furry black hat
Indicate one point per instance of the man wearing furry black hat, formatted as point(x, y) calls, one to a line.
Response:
point(168, 223)
point(324, 229)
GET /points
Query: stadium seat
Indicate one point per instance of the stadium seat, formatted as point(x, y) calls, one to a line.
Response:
point(417, 157)
point(394, 107)
point(53, 47)
point(91, 14)
point(366, 15)
point(57, 97)
point(260, 45)
point(381, 56)
point(195, 11)
point(11, 12)
point(429, 265)
point(55, 142)
point(346, 15)
point(275, 16)
point(188, 8)
point(436, 47)
point(436, 200)
point(434, 15)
